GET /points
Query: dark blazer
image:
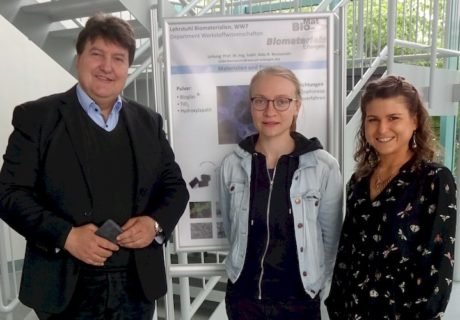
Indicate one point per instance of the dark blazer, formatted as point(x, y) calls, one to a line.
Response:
point(45, 189)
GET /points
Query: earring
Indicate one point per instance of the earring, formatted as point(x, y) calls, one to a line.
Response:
point(368, 147)
point(414, 143)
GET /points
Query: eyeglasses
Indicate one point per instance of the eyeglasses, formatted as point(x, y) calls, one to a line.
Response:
point(280, 104)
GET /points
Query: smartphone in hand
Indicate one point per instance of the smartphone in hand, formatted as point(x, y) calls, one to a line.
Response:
point(109, 230)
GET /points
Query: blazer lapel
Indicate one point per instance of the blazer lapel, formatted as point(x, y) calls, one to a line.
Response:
point(144, 151)
point(70, 109)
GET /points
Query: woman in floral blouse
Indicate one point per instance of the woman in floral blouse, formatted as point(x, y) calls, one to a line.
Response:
point(396, 252)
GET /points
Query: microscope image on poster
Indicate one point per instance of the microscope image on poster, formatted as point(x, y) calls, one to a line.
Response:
point(198, 211)
point(233, 114)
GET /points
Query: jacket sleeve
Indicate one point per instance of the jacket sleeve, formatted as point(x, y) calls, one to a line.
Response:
point(22, 207)
point(437, 265)
point(224, 199)
point(330, 215)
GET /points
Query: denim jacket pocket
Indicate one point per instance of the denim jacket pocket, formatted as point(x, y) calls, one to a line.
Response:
point(311, 201)
point(236, 192)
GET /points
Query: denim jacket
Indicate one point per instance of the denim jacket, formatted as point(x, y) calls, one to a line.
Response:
point(316, 200)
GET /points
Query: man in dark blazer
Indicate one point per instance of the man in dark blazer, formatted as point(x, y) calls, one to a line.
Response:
point(77, 159)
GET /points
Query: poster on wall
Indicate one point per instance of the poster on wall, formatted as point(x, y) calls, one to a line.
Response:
point(209, 65)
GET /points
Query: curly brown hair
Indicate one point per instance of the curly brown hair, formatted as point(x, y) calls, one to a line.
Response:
point(365, 155)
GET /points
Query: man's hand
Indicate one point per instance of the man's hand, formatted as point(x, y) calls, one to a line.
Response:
point(85, 245)
point(138, 232)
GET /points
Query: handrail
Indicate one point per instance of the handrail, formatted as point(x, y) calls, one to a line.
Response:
point(138, 71)
point(366, 76)
point(322, 7)
point(188, 8)
point(207, 8)
point(427, 48)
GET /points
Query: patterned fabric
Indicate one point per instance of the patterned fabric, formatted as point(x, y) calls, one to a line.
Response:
point(396, 253)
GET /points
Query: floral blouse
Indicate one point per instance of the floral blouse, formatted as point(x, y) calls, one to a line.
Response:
point(396, 253)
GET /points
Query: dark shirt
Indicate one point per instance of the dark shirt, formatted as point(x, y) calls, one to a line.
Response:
point(395, 257)
point(271, 268)
point(111, 167)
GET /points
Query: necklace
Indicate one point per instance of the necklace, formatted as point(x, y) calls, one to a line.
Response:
point(380, 183)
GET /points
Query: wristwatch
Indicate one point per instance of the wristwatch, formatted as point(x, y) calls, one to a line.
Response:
point(158, 228)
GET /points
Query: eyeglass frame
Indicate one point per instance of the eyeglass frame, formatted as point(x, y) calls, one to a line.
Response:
point(273, 102)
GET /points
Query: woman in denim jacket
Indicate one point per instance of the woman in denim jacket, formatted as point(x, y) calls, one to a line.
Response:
point(281, 201)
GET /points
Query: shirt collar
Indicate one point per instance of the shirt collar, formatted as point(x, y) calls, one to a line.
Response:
point(86, 102)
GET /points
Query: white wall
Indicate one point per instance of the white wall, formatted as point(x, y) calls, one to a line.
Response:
point(26, 73)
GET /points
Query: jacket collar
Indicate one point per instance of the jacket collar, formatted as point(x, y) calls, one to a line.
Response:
point(303, 149)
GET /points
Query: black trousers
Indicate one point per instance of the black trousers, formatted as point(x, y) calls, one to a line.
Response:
point(102, 295)
point(245, 308)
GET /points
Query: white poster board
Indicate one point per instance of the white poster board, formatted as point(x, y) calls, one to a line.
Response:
point(209, 64)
